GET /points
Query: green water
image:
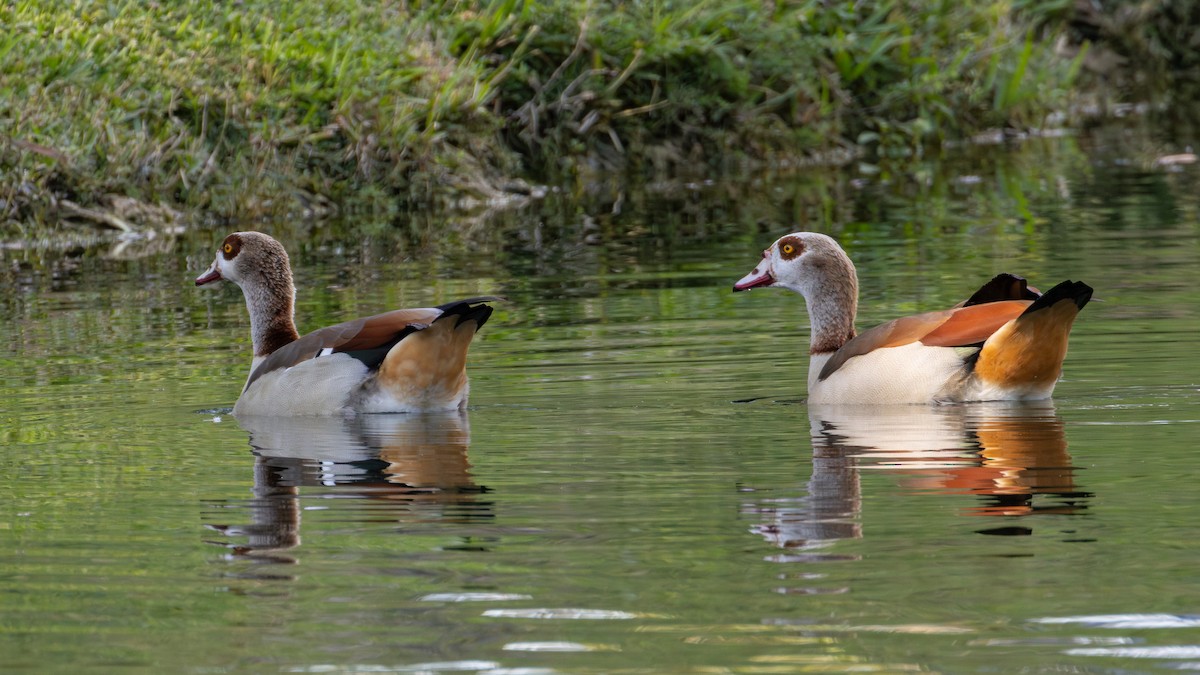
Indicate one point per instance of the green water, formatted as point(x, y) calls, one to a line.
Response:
point(637, 485)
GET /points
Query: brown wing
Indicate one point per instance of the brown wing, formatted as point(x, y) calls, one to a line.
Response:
point(957, 327)
point(366, 339)
point(891, 334)
point(974, 324)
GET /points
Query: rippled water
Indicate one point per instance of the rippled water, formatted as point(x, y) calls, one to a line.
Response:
point(638, 485)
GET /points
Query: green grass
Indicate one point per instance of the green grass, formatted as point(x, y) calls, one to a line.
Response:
point(261, 109)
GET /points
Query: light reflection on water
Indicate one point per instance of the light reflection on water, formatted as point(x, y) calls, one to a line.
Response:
point(1007, 454)
point(399, 469)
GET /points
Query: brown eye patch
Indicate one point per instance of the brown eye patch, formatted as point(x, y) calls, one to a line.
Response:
point(790, 247)
point(231, 246)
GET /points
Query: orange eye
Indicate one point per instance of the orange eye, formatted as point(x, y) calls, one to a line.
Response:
point(788, 249)
point(228, 248)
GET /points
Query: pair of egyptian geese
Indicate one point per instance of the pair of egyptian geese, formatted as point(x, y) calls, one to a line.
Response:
point(1006, 342)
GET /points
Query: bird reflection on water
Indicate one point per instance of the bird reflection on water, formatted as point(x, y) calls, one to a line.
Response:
point(1012, 455)
point(405, 469)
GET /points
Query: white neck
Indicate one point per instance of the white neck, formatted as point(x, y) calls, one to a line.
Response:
point(816, 363)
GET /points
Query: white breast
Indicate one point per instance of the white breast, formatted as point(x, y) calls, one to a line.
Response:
point(320, 386)
point(912, 373)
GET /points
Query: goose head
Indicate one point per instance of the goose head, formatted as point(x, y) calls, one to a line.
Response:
point(259, 265)
point(808, 263)
point(814, 266)
point(249, 259)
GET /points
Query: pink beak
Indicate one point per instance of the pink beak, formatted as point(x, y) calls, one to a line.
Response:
point(755, 279)
point(213, 274)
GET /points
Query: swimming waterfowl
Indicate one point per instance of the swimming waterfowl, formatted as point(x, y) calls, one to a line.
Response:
point(1006, 342)
point(407, 360)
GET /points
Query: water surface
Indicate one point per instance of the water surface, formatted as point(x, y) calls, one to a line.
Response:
point(638, 485)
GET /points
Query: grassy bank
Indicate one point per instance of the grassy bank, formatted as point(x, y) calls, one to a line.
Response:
point(257, 109)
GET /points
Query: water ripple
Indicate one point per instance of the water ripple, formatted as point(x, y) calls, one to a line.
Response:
point(558, 646)
point(440, 666)
point(473, 597)
point(1128, 620)
point(561, 613)
point(1160, 652)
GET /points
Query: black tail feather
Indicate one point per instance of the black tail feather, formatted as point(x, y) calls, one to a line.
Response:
point(1076, 291)
point(471, 309)
point(1003, 286)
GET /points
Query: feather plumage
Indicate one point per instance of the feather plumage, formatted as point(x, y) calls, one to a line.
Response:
point(1006, 341)
point(406, 360)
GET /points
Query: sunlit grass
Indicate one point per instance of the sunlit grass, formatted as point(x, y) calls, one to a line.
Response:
point(250, 109)
point(228, 107)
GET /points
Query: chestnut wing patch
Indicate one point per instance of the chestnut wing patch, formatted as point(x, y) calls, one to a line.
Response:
point(974, 324)
point(959, 327)
point(891, 334)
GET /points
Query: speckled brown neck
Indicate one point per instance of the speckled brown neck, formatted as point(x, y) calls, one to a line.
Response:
point(271, 322)
point(832, 304)
point(829, 341)
point(278, 332)
point(267, 284)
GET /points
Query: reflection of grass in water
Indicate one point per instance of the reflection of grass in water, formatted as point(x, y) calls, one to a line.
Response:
point(253, 108)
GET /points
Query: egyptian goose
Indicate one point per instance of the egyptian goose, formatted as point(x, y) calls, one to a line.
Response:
point(1007, 342)
point(407, 360)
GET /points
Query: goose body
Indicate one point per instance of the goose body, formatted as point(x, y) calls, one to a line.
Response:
point(1006, 342)
point(407, 360)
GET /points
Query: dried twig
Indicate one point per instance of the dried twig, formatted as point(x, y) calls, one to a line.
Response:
point(39, 149)
point(616, 84)
point(95, 216)
point(529, 112)
point(649, 107)
point(575, 52)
